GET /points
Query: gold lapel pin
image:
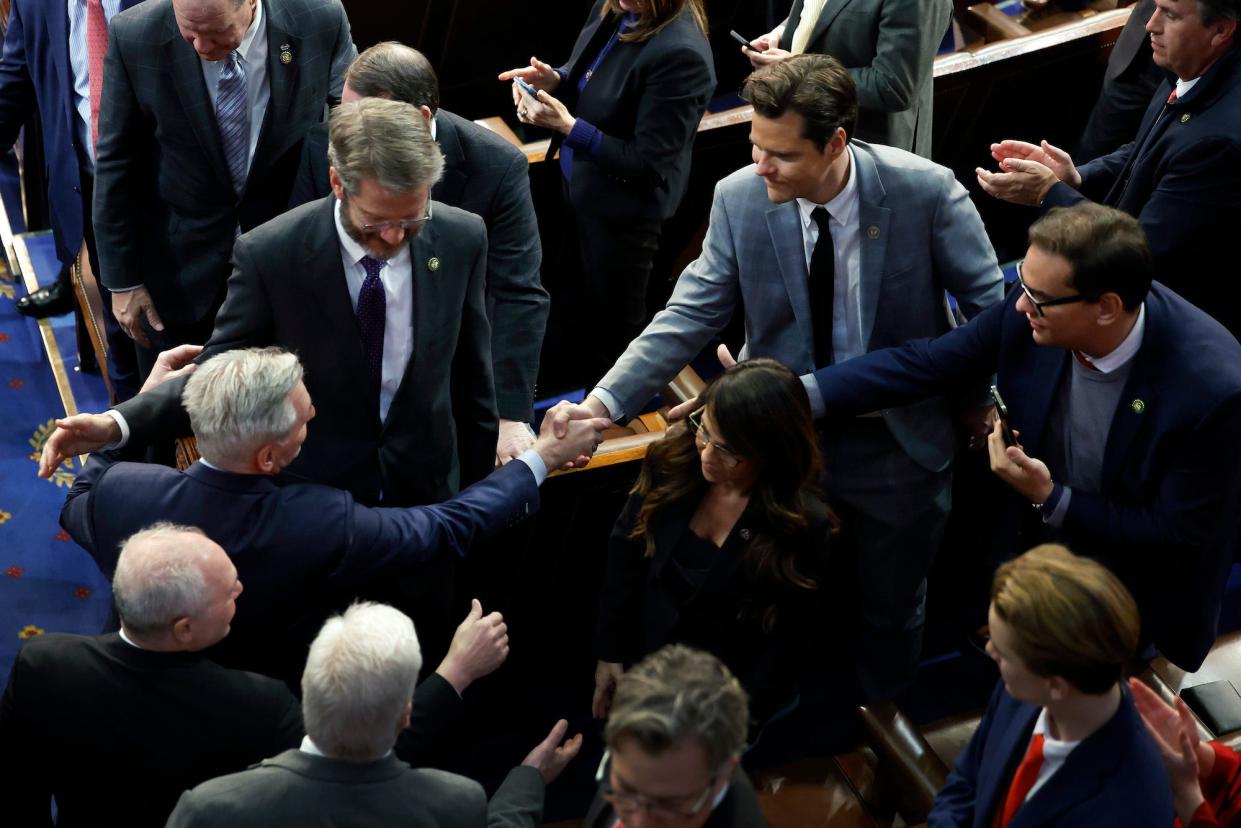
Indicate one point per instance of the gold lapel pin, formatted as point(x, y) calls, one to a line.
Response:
point(1138, 406)
point(1185, 118)
point(873, 231)
point(286, 54)
point(433, 264)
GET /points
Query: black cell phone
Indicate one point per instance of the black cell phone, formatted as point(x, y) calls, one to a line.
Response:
point(1001, 411)
point(743, 41)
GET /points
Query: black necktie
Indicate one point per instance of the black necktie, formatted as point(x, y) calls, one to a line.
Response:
point(822, 289)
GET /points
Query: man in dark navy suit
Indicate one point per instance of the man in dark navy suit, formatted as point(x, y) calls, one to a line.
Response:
point(1181, 176)
point(1126, 403)
point(302, 549)
point(52, 64)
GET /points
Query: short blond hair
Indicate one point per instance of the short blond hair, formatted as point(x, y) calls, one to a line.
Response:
point(1069, 617)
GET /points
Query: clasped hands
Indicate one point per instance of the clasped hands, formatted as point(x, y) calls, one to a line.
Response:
point(541, 110)
point(1027, 172)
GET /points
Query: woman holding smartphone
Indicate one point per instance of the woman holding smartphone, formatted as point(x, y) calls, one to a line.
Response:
point(624, 110)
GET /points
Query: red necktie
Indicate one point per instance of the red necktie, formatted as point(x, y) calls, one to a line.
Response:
point(1085, 361)
point(1023, 781)
point(96, 48)
point(1172, 96)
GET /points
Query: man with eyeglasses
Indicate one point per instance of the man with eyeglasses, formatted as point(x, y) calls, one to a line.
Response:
point(674, 737)
point(1125, 401)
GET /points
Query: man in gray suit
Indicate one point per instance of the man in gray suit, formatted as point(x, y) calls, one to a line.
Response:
point(889, 48)
point(204, 106)
point(835, 248)
point(356, 693)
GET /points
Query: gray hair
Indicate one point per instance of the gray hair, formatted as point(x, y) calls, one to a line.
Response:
point(677, 695)
point(359, 677)
point(388, 142)
point(159, 577)
point(394, 70)
point(239, 400)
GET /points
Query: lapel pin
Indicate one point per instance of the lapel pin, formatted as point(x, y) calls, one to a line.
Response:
point(746, 534)
point(873, 231)
point(433, 264)
point(1138, 406)
point(286, 54)
point(1185, 118)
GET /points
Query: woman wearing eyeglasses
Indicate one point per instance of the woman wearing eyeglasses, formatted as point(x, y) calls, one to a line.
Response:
point(722, 542)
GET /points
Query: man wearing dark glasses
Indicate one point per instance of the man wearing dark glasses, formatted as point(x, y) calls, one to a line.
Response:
point(1125, 401)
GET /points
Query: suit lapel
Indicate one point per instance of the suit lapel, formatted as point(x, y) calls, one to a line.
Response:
point(826, 16)
point(1047, 366)
point(1010, 748)
point(426, 291)
point(58, 33)
point(282, 80)
point(1141, 387)
point(187, 77)
point(784, 224)
point(872, 216)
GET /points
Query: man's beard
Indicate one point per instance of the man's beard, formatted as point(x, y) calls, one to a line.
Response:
point(375, 246)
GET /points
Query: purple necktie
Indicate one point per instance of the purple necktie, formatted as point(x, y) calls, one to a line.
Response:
point(372, 306)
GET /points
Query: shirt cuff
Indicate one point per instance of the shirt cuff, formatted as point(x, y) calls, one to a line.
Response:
point(125, 289)
point(537, 467)
point(817, 408)
point(584, 136)
point(1057, 505)
point(124, 427)
point(563, 73)
point(603, 395)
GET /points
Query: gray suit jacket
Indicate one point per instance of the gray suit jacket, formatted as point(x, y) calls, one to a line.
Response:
point(299, 790)
point(165, 211)
point(921, 236)
point(888, 47)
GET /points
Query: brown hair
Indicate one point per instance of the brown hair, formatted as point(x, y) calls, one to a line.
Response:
point(1106, 247)
point(655, 15)
point(394, 70)
point(816, 87)
point(1070, 617)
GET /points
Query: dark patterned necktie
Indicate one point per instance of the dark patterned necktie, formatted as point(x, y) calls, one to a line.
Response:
point(822, 288)
point(232, 112)
point(372, 307)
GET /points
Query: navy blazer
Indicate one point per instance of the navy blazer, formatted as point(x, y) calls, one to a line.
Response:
point(1184, 185)
point(300, 551)
point(1167, 519)
point(1113, 777)
point(35, 71)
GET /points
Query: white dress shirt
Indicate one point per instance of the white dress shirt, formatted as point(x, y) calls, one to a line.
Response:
point(397, 277)
point(79, 65)
point(253, 55)
point(1054, 753)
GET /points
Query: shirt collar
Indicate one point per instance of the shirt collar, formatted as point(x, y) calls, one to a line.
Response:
point(843, 207)
point(127, 639)
point(1183, 86)
point(1126, 349)
point(308, 746)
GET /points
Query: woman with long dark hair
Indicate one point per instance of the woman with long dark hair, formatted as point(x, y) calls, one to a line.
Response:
point(723, 541)
point(624, 110)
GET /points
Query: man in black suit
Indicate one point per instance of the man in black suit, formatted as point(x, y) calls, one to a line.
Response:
point(487, 176)
point(303, 550)
point(205, 103)
point(87, 718)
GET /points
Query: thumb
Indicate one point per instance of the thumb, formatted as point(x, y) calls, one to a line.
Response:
point(153, 317)
point(476, 610)
point(1018, 457)
point(725, 356)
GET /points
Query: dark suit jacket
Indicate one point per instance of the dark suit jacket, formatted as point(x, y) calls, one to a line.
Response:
point(35, 72)
point(288, 288)
point(487, 176)
point(1166, 520)
point(165, 210)
point(643, 605)
point(889, 47)
point(299, 790)
point(300, 551)
point(647, 98)
point(116, 733)
point(1113, 777)
point(738, 809)
point(1182, 179)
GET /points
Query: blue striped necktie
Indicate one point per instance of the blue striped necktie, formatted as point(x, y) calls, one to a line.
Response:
point(232, 112)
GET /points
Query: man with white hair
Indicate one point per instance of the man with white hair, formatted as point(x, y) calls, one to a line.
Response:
point(355, 698)
point(303, 550)
point(85, 719)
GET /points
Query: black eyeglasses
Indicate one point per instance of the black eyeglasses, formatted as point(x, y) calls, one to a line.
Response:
point(1039, 304)
point(702, 438)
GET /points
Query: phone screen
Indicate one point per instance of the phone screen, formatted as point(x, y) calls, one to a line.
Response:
point(1001, 412)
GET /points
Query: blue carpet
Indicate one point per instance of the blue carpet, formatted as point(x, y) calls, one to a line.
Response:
point(47, 582)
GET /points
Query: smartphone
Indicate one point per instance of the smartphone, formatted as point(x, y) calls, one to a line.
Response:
point(1001, 411)
point(527, 88)
point(743, 41)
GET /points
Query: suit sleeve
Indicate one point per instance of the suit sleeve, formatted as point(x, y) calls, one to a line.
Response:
point(473, 388)
point(519, 801)
point(515, 292)
point(615, 634)
point(436, 714)
point(343, 54)
point(26, 789)
point(909, 34)
point(17, 94)
point(77, 516)
point(965, 261)
point(123, 178)
point(954, 804)
point(311, 181)
point(701, 304)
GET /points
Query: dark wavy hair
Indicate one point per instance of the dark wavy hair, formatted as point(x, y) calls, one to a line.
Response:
point(654, 15)
point(761, 409)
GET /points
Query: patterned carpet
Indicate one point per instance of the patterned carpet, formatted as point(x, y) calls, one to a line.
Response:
point(47, 582)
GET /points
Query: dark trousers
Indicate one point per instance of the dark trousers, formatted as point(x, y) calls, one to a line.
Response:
point(895, 512)
point(122, 354)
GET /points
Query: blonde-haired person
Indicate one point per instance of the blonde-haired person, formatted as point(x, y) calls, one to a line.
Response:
point(1061, 742)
